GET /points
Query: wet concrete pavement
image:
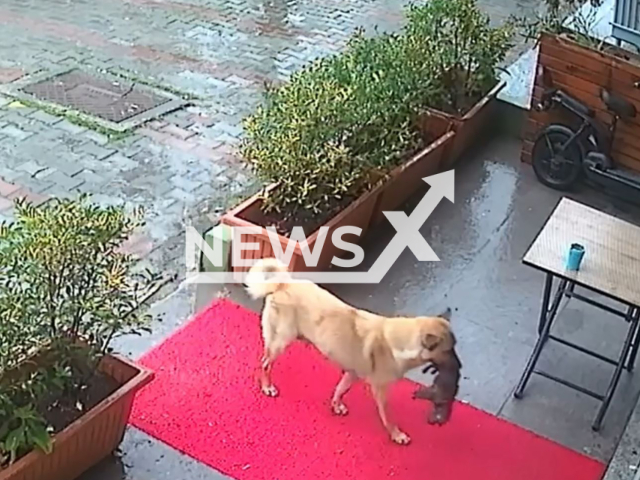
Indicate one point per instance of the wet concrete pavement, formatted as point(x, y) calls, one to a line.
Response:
point(480, 240)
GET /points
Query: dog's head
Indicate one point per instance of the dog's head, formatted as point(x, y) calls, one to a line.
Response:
point(265, 276)
point(437, 338)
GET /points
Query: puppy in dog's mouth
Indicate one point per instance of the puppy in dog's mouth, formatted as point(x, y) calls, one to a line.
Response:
point(445, 387)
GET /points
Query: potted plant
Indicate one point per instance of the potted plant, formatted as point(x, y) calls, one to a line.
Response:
point(466, 56)
point(66, 291)
point(572, 58)
point(343, 139)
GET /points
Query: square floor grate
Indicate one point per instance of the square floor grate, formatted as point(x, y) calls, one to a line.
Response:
point(109, 100)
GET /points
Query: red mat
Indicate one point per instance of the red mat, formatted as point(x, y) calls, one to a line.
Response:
point(206, 403)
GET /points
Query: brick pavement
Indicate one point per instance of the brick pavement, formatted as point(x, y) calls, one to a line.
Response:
point(182, 167)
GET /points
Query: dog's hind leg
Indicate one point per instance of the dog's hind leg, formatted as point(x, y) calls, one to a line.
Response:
point(337, 405)
point(380, 395)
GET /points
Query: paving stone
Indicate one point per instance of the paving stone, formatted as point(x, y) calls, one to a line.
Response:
point(177, 131)
point(31, 167)
point(69, 127)
point(14, 116)
point(181, 195)
point(7, 216)
point(120, 162)
point(91, 178)
point(96, 137)
point(31, 183)
point(95, 150)
point(64, 181)
point(15, 132)
point(7, 188)
point(186, 184)
point(71, 165)
point(31, 197)
point(5, 204)
point(45, 117)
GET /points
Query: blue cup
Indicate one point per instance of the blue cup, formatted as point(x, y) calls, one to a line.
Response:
point(576, 253)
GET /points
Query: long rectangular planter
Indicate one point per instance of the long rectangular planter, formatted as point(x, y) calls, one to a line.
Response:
point(473, 125)
point(582, 72)
point(92, 437)
point(363, 212)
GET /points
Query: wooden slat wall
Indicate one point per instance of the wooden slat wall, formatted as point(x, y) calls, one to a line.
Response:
point(581, 72)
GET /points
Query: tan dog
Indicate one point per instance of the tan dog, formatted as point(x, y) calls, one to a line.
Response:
point(372, 347)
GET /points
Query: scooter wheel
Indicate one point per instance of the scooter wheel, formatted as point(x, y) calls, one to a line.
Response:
point(554, 167)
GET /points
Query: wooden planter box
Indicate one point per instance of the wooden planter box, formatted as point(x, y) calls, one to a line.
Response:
point(92, 437)
point(472, 126)
point(581, 72)
point(364, 212)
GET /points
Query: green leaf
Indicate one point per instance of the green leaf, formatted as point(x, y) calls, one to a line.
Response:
point(41, 438)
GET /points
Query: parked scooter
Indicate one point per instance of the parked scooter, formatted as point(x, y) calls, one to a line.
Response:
point(561, 154)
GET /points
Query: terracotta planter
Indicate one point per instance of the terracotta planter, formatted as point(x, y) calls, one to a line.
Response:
point(406, 179)
point(364, 212)
point(582, 72)
point(92, 437)
point(472, 126)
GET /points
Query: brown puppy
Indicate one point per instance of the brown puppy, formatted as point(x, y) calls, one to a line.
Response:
point(377, 349)
point(444, 389)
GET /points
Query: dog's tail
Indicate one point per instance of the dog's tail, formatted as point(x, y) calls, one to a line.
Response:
point(265, 277)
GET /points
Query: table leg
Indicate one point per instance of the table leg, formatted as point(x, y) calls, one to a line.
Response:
point(546, 295)
point(547, 316)
point(635, 345)
point(626, 349)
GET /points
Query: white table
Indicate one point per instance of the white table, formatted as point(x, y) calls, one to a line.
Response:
point(610, 267)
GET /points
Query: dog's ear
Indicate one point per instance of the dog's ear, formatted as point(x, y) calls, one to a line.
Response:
point(446, 314)
point(431, 341)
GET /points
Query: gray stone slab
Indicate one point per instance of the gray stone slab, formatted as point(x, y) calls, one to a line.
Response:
point(145, 458)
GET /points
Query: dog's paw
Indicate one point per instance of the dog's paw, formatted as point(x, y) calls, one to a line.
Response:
point(438, 417)
point(423, 393)
point(400, 437)
point(339, 408)
point(270, 390)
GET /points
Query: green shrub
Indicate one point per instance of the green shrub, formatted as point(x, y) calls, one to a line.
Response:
point(466, 50)
point(338, 123)
point(342, 122)
point(554, 18)
point(62, 281)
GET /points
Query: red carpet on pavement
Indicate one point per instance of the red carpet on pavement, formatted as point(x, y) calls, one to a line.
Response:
point(205, 402)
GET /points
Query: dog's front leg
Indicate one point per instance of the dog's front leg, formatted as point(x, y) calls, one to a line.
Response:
point(380, 395)
point(337, 405)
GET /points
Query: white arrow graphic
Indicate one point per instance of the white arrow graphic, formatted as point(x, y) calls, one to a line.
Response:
point(407, 235)
point(408, 228)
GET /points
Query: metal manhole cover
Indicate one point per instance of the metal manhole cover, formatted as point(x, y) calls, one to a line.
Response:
point(108, 100)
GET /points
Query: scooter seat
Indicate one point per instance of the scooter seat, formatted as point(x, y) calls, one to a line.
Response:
point(618, 105)
point(573, 104)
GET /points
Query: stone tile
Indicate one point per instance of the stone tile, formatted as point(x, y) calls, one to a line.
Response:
point(31, 167)
point(7, 188)
point(29, 196)
point(64, 181)
point(45, 117)
point(5, 204)
point(144, 457)
point(96, 137)
point(178, 132)
point(8, 75)
point(95, 150)
point(15, 132)
point(69, 127)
